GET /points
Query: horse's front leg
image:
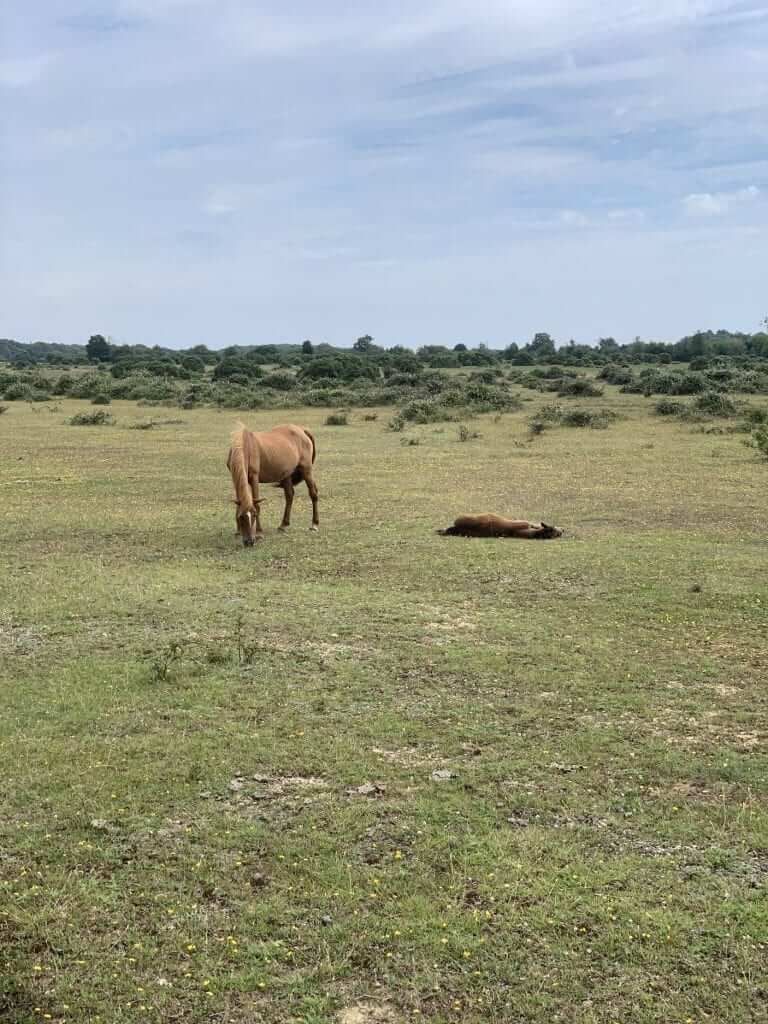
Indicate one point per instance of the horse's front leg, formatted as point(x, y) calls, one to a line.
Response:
point(258, 533)
point(289, 491)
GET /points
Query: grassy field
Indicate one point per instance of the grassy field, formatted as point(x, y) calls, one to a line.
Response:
point(565, 741)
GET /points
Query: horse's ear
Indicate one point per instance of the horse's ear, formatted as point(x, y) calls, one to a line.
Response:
point(544, 526)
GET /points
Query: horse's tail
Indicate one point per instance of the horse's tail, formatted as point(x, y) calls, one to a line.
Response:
point(314, 446)
point(238, 461)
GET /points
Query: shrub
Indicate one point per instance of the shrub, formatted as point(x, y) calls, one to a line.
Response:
point(194, 364)
point(91, 419)
point(397, 424)
point(280, 381)
point(713, 403)
point(425, 410)
point(549, 413)
point(578, 387)
point(17, 392)
point(756, 417)
point(653, 381)
point(63, 385)
point(336, 419)
point(101, 400)
point(236, 367)
point(3, 408)
point(613, 374)
point(668, 407)
point(760, 441)
point(370, 417)
point(597, 420)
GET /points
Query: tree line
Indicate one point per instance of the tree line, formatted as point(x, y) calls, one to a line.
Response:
point(368, 358)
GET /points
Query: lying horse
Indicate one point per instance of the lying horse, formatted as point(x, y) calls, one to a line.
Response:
point(489, 525)
point(283, 456)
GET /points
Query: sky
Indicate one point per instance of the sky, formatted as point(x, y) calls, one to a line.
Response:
point(179, 172)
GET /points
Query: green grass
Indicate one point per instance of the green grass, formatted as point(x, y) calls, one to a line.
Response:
point(182, 719)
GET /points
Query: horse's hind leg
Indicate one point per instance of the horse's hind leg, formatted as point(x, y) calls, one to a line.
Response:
point(312, 488)
point(289, 490)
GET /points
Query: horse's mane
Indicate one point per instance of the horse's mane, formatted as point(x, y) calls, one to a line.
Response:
point(239, 459)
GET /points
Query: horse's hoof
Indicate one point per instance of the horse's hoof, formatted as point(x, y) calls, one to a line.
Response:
point(283, 529)
point(313, 528)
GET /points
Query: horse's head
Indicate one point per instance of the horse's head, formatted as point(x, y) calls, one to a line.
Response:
point(246, 522)
point(547, 532)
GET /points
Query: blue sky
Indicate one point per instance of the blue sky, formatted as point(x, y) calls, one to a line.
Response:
point(186, 171)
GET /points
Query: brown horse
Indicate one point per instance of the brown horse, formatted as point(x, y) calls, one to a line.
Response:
point(282, 456)
point(489, 525)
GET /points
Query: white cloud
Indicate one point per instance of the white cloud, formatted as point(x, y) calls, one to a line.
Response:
point(628, 217)
point(574, 219)
point(713, 204)
point(15, 74)
point(221, 201)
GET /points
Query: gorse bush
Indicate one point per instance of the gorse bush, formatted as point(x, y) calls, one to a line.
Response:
point(555, 415)
point(101, 400)
point(597, 420)
point(756, 417)
point(426, 410)
point(613, 374)
point(550, 413)
point(712, 403)
point(760, 441)
point(336, 419)
point(669, 407)
point(579, 387)
point(98, 418)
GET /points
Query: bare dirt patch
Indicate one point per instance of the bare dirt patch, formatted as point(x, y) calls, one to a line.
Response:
point(367, 1013)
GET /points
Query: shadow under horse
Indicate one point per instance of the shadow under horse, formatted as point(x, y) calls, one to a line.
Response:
point(283, 456)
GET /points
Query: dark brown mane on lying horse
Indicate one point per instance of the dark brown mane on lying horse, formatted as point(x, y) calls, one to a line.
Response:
point(489, 525)
point(283, 456)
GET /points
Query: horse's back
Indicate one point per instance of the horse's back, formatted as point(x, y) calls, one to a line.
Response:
point(281, 450)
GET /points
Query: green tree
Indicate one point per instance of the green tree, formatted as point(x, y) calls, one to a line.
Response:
point(307, 348)
point(98, 349)
point(364, 344)
point(542, 346)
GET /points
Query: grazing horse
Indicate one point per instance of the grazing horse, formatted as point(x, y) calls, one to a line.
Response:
point(489, 525)
point(282, 456)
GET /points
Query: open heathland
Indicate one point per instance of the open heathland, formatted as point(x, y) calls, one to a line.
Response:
point(375, 774)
